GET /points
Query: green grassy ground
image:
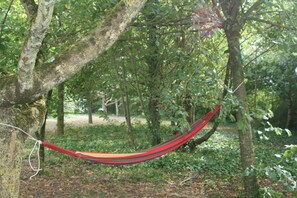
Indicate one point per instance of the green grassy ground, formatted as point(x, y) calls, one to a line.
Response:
point(215, 160)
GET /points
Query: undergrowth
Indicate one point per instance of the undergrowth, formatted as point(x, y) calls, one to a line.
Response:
point(219, 157)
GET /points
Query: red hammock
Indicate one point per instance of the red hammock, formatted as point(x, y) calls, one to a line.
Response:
point(131, 158)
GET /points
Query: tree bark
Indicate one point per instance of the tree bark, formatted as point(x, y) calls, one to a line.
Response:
point(289, 105)
point(126, 106)
point(154, 81)
point(90, 107)
point(251, 187)
point(90, 113)
point(189, 107)
point(41, 135)
point(232, 27)
point(60, 109)
point(29, 118)
point(28, 57)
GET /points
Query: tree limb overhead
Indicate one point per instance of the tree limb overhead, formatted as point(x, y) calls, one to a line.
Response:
point(72, 60)
point(33, 43)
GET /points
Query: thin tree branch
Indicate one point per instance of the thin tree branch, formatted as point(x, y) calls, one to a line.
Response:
point(32, 46)
point(5, 17)
point(251, 9)
point(271, 23)
point(259, 55)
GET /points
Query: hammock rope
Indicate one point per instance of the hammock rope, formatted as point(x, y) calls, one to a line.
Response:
point(131, 158)
point(35, 147)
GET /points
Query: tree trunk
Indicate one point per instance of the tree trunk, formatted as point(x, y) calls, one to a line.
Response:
point(189, 108)
point(126, 107)
point(90, 107)
point(139, 92)
point(255, 92)
point(10, 152)
point(60, 109)
point(289, 105)
point(103, 105)
point(29, 118)
point(251, 187)
point(90, 114)
point(117, 107)
point(126, 104)
point(41, 135)
point(154, 73)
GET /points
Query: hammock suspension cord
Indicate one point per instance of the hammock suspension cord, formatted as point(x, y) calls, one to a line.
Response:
point(35, 147)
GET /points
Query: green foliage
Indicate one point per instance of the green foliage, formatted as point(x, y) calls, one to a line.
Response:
point(13, 32)
point(278, 167)
point(279, 174)
point(216, 158)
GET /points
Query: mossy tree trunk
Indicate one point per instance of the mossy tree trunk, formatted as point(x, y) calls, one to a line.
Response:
point(29, 118)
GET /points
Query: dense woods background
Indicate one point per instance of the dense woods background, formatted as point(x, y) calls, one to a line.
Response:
point(173, 62)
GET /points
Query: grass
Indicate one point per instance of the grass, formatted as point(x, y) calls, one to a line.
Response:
point(219, 157)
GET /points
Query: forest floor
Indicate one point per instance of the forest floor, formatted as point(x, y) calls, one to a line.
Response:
point(74, 179)
point(84, 182)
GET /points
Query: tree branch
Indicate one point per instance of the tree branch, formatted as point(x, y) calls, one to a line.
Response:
point(32, 46)
point(259, 55)
point(5, 17)
point(251, 9)
point(72, 60)
point(271, 23)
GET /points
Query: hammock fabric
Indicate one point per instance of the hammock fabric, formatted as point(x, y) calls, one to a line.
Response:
point(131, 158)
